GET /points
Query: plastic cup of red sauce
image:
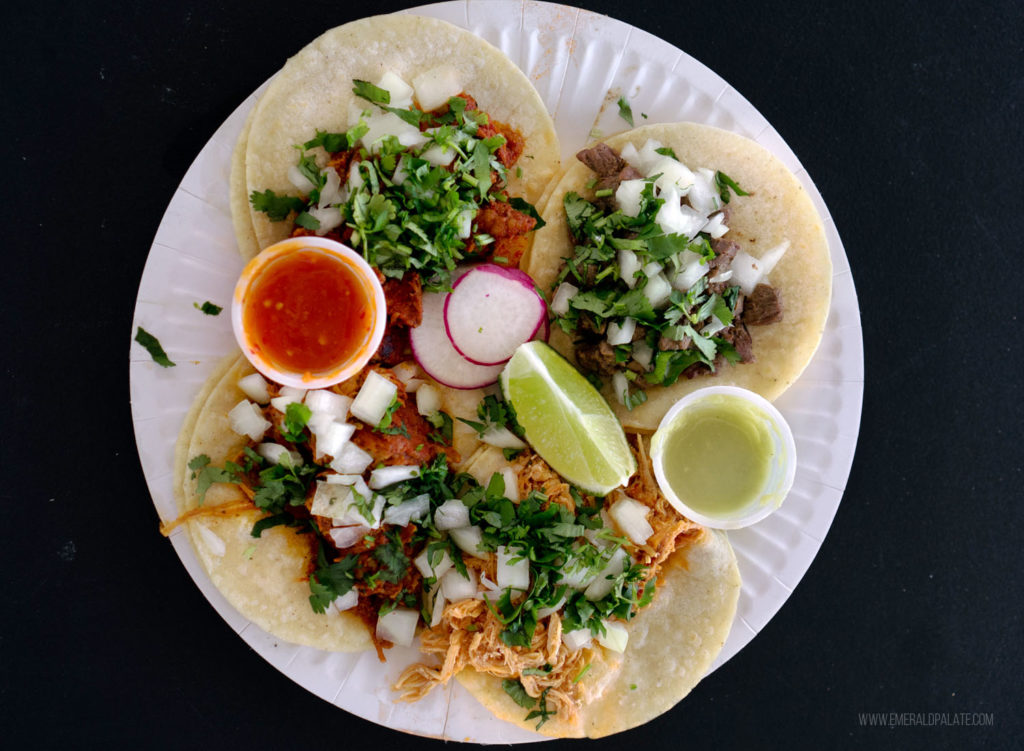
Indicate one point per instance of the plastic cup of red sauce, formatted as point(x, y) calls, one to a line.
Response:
point(308, 312)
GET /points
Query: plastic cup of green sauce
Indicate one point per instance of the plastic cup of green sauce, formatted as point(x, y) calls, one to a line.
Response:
point(724, 457)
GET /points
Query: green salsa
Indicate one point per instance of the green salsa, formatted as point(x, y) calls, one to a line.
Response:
point(717, 454)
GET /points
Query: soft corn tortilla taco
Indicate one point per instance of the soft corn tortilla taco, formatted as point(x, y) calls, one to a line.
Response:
point(265, 579)
point(672, 641)
point(778, 209)
point(313, 91)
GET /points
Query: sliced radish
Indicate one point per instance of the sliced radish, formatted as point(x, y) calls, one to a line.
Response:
point(434, 352)
point(491, 311)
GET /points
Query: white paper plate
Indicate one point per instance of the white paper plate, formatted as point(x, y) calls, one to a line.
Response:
point(581, 63)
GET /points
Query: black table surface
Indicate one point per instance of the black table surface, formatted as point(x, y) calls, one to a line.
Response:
point(906, 115)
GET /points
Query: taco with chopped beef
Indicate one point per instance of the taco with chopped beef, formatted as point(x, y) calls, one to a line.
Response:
point(346, 527)
point(378, 109)
point(677, 252)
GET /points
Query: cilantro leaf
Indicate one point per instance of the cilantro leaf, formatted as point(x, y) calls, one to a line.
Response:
point(371, 93)
point(152, 345)
point(208, 308)
point(724, 183)
point(394, 560)
point(307, 221)
point(330, 581)
point(277, 208)
point(515, 689)
point(296, 416)
point(521, 204)
point(625, 111)
point(666, 151)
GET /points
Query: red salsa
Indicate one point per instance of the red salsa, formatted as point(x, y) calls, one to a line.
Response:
point(308, 312)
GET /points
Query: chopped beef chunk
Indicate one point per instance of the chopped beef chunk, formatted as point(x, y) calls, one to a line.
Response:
point(725, 251)
point(587, 323)
point(597, 358)
point(602, 159)
point(762, 306)
point(394, 347)
point(611, 169)
point(665, 343)
point(739, 337)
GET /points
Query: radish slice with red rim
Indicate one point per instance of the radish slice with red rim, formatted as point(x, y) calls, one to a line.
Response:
point(491, 311)
point(434, 352)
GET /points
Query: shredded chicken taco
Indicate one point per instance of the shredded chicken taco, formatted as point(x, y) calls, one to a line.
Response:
point(560, 611)
point(677, 252)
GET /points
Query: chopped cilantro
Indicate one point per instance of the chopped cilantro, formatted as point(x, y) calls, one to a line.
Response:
point(152, 345)
point(725, 183)
point(206, 475)
point(393, 559)
point(208, 308)
point(442, 421)
point(625, 111)
point(515, 689)
point(371, 93)
point(330, 581)
point(277, 208)
point(296, 416)
point(666, 151)
point(386, 425)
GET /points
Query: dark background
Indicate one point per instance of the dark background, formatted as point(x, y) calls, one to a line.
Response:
point(907, 117)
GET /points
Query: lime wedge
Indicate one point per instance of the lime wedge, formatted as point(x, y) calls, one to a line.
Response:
point(566, 419)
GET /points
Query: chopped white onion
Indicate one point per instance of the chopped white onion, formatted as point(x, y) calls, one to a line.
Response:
point(772, 257)
point(631, 518)
point(299, 180)
point(457, 587)
point(329, 218)
point(704, 196)
point(346, 537)
point(721, 276)
point(602, 584)
point(373, 399)
point(545, 612)
point(412, 510)
point(385, 476)
point(245, 418)
point(615, 636)
point(631, 156)
point(332, 440)
point(629, 264)
point(648, 155)
point(254, 386)
point(628, 196)
point(422, 562)
point(468, 539)
point(621, 334)
point(465, 223)
point(323, 400)
point(395, 85)
point(620, 385)
point(213, 542)
point(716, 225)
point(352, 460)
point(691, 269)
point(398, 626)
point(428, 399)
point(436, 86)
point(383, 124)
point(502, 438)
point(452, 514)
point(405, 372)
point(746, 271)
point(336, 479)
point(657, 290)
point(439, 156)
point(674, 218)
point(330, 194)
point(513, 573)
point(564, 293)
point(334, 501)
point(672, 175)
point(413, 385)
point(437, 606)
point(275, 453)
point(347, 601)
point(280, 403)
point(296, 395)
point(511, 484)
point(401, 172)
point(576, 639)
point(643, 353)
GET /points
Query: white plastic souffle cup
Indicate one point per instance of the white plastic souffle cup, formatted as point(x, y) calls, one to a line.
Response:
point(781, 472)
point(372, 290)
